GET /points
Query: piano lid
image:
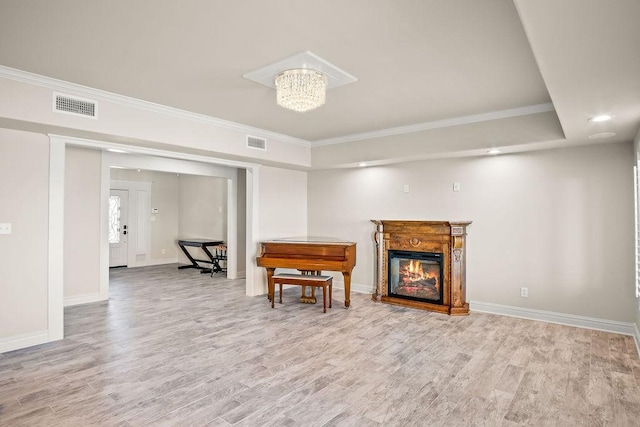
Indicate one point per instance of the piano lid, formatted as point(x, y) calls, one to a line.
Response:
point(309, 239)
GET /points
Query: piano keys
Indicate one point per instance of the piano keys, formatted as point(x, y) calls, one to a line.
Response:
point(310, 254)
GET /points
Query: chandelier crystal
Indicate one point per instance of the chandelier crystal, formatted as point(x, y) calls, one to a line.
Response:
point(301, 89)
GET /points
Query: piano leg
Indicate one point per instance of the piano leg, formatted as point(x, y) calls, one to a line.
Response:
point(347, 288)
point(309, 299)
point(270, 284)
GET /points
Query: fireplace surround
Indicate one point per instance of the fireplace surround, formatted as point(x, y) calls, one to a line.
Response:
point(421, 264)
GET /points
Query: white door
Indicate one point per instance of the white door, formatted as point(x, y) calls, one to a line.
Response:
point(118, 233)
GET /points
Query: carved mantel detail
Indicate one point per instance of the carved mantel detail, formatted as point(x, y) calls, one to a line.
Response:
point(445, 237)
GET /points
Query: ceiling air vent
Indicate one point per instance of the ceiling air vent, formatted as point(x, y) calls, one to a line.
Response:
point(73, 105)
point(257, 143)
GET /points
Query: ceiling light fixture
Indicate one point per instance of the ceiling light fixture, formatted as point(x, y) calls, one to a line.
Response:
point(494, 151)
point(601, 118)
point(115, 150)
point(301, 89)
point(362, 164)
point(602, 135)
point(301, 80)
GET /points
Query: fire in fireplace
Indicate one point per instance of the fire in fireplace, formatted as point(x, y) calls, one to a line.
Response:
point(416, 276)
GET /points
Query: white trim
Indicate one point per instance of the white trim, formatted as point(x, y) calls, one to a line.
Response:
point(82, 299)
point(355, 287)
point(454, 121)
point(97, 94)
point(636, 335)
point(17, 342)
point(63, 86)
point(138, 218)
point(255, 280)
point(555, 317)
point(105, 192)
point(152, 262)
point(101, 145)
point(232, 226)
point(636, 226)
point(55, 300)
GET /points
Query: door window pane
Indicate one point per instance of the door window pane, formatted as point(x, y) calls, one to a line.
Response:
point(114, 219)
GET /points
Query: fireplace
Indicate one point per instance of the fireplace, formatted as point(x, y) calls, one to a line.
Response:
point(422, 264)
point(415, 276)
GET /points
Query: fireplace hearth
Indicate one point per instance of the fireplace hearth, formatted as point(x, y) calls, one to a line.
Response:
point(421, 264)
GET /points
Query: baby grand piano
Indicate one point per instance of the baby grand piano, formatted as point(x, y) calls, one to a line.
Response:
point(310, 254)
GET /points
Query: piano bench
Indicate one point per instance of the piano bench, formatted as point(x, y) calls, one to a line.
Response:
point(302, 280)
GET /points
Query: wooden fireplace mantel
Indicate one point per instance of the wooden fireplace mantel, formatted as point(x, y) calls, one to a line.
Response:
point(445, 237)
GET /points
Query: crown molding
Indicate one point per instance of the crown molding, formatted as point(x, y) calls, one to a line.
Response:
point(454, 121)
point(101, 95)
point(97, 94)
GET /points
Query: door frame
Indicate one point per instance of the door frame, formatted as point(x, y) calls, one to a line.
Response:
point(139, 232)
point(123, 221)
point(57, 144)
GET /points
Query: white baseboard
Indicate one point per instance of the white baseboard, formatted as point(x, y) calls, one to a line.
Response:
point(555, 317)
point(355, 287)
point(82, 299)
point(152, 262)
point(17, 342)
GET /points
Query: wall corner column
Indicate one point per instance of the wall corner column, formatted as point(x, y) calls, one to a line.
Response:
point(56, 240)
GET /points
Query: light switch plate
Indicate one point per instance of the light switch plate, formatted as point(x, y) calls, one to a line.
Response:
point(5, 228)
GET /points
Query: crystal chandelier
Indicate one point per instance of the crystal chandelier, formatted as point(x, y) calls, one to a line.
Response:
point(301, 89)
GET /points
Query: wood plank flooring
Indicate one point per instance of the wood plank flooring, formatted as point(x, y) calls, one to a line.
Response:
point(180, 348)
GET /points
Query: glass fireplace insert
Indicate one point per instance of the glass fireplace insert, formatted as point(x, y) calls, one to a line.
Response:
point(416, 276)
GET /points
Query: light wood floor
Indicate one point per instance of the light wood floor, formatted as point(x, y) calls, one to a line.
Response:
point(179, 348)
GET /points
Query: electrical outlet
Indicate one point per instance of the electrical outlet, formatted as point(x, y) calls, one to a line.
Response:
point(524, 292)
point(5, 228)
point(164, 251)
point(456, 186)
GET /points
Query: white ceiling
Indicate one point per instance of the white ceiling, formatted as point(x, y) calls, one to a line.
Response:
point(421, 65)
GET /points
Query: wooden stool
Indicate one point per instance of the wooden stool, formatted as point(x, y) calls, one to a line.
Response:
point(315, 281)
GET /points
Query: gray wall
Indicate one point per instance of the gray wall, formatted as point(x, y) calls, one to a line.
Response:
point(559, 222)
point(24, 202)
point(203, 207)
point(81, 222)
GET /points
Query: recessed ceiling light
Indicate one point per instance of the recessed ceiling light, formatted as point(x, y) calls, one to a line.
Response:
point(494, 151)
point(601, 118)
point(362, 164)
point(602, 135)
point(115, 150)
